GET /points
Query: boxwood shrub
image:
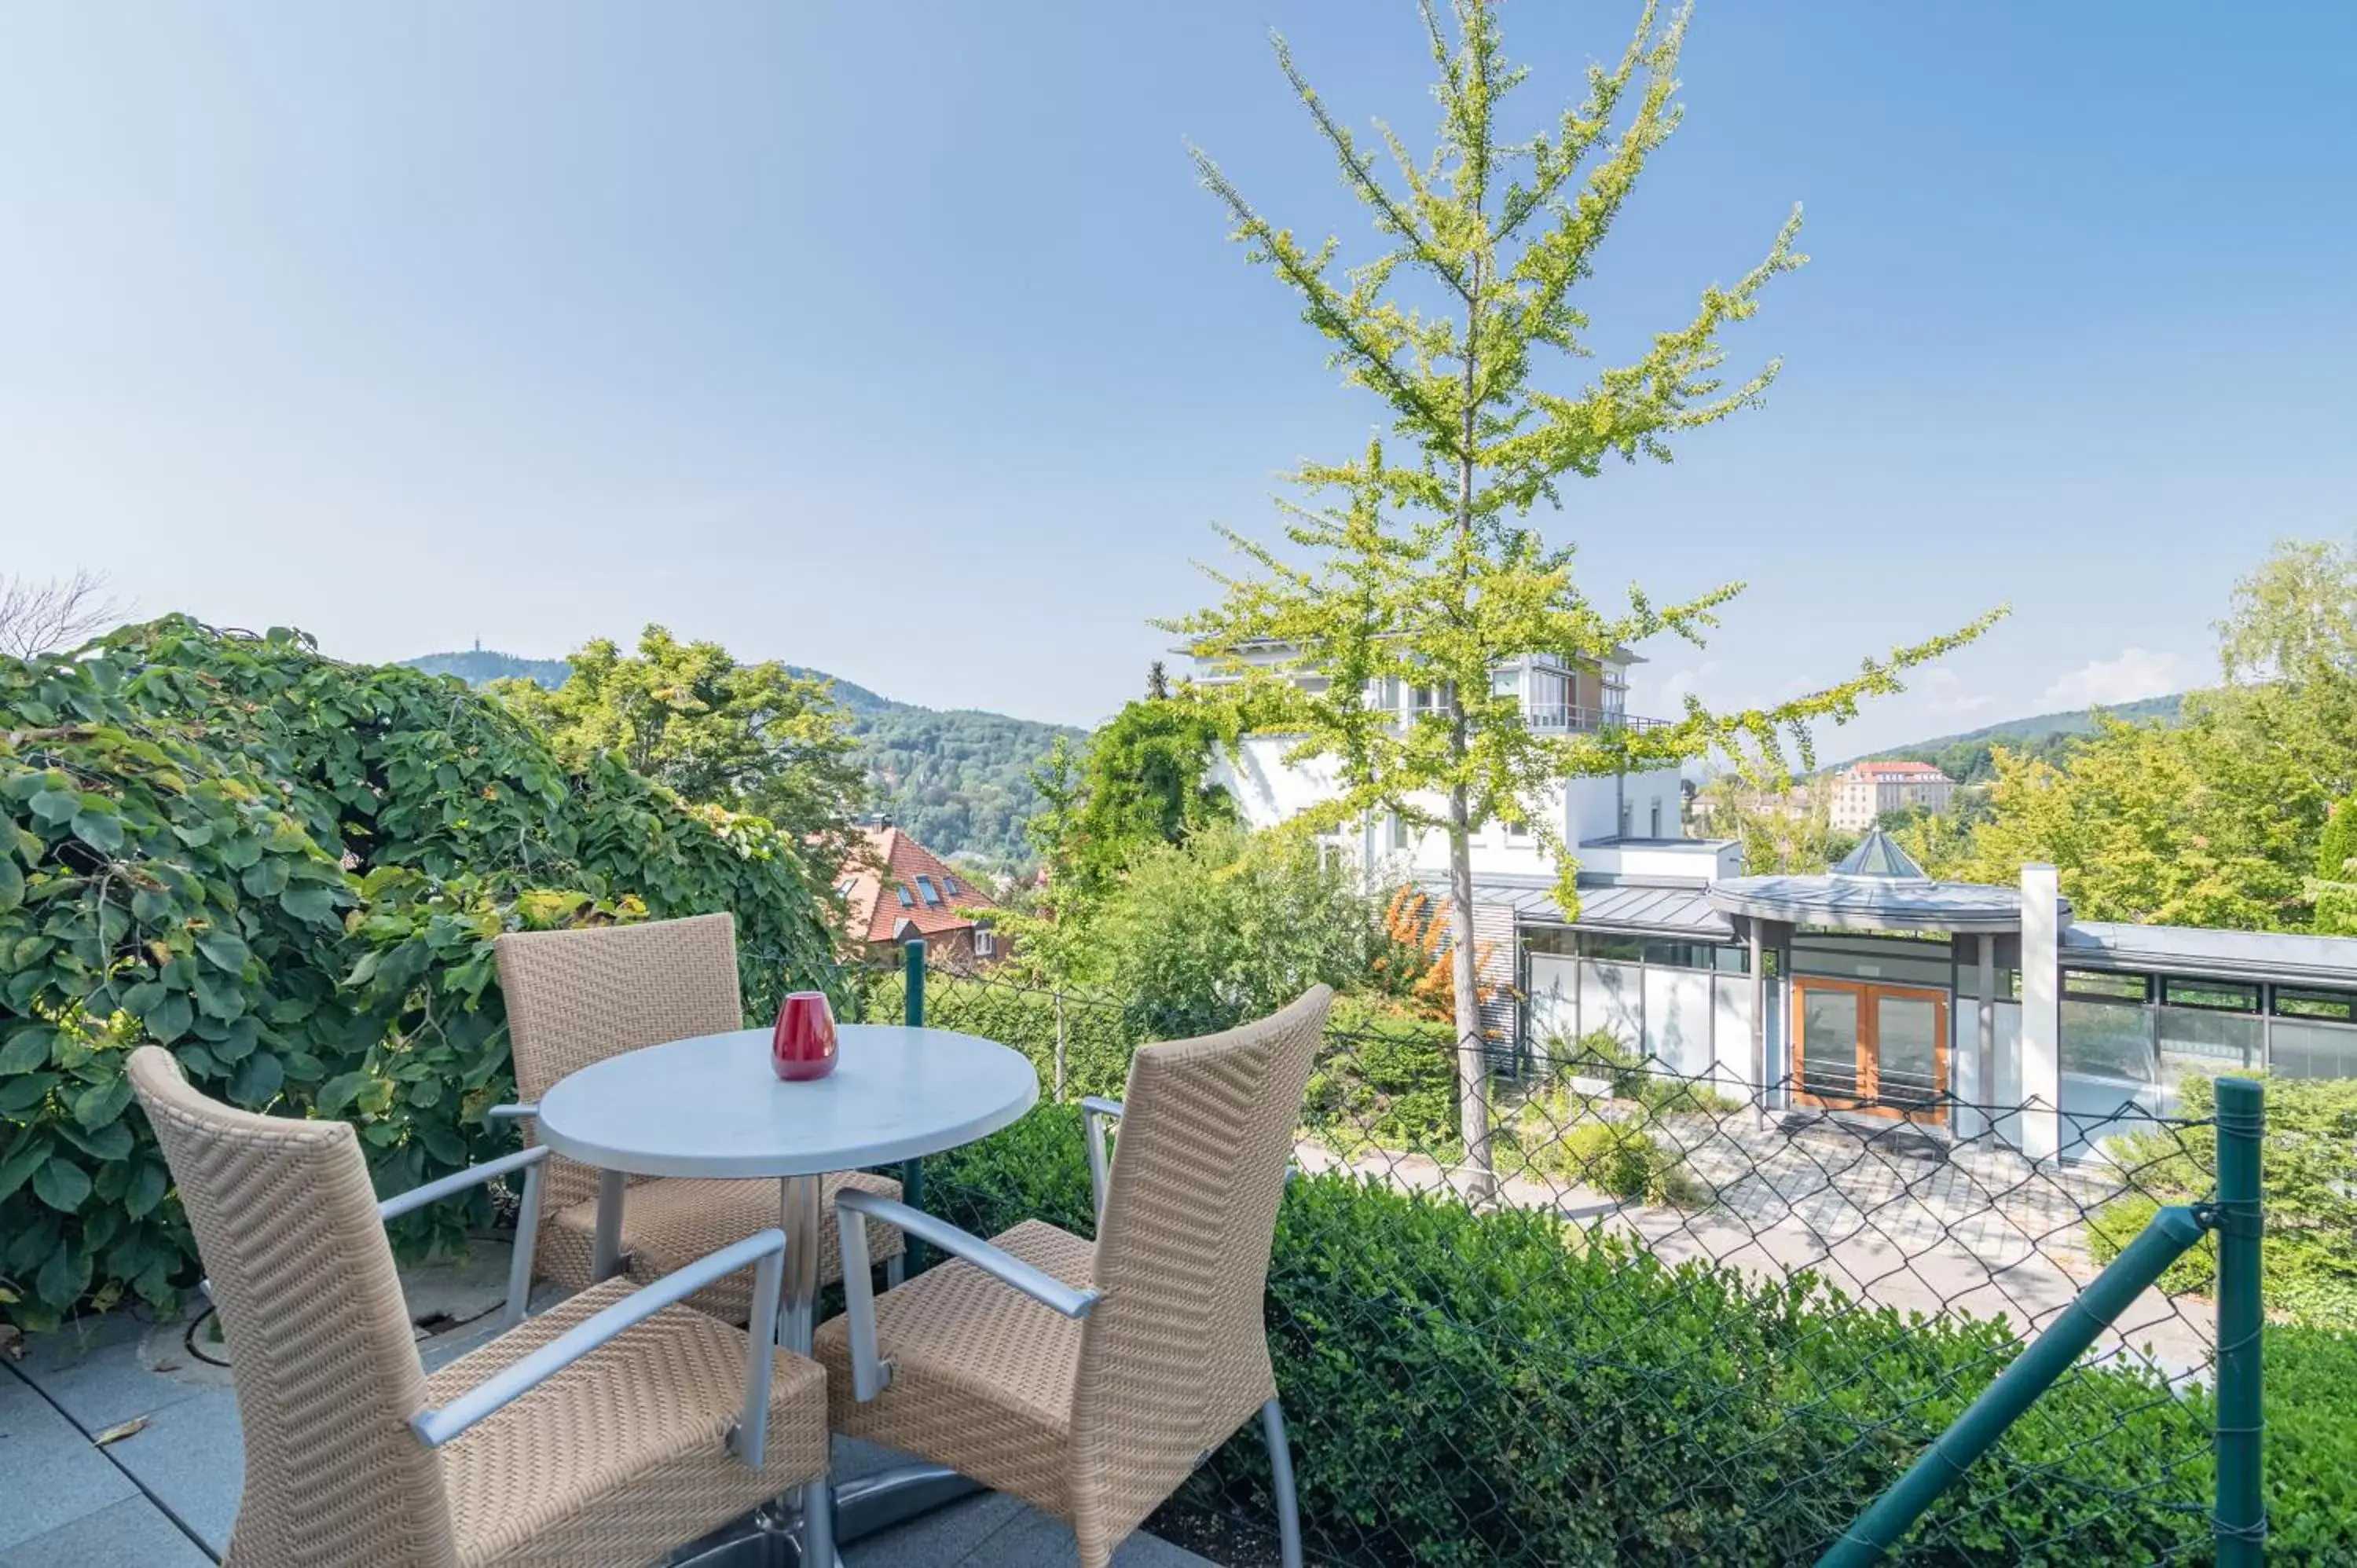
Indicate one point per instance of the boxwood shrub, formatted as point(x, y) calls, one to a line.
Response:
point(1494, 1387)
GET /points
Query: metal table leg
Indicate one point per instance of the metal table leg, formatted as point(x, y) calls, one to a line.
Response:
point(798, 1217)
point(805, 1527)
point(606, 1244)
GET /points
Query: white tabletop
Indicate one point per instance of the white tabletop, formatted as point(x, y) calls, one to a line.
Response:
point(711, 1107)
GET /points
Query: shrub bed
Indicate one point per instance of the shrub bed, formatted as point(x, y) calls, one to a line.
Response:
point(2308, 1174)
point(290, 872)
point(1475, 1388)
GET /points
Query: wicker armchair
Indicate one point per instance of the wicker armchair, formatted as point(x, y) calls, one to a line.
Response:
point(1089, 1379)
point(608, 1430)
point(579, 996)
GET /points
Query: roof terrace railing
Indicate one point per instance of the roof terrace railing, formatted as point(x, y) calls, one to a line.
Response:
point(1582, 720)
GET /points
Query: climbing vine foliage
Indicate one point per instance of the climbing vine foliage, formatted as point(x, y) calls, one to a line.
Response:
point(290, 871)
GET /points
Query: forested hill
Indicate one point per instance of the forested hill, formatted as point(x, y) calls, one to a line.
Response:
point(955, 778)
point(1966, 757)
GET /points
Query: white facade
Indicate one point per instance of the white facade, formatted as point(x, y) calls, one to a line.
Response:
point(1868, 790)
point(1586, 813)
point(1630, 825)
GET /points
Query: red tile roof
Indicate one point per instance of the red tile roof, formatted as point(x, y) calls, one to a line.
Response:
point(876, 912)
point(1898, 769)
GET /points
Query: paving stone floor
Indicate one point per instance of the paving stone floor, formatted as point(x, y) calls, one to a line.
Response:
point(165, 1495)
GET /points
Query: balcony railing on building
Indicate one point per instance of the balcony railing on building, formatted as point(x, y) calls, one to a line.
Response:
point(1583, 720)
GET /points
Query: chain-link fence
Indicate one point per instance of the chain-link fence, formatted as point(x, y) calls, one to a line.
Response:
point(1673, 1319)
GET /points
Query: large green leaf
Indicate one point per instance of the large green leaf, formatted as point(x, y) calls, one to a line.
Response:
point(102, 832)
point(226, 950)
point(146, 1188)
point(103, 1103)
point(170, 1019)
point(61, 1184)
point(317, 905)
point(12, 884)
point(55, 806)
point(28, 1050)
point(19, 1167)
point(257, 1080)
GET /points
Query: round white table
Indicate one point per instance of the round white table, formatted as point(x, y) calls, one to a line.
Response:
point(711, 1107)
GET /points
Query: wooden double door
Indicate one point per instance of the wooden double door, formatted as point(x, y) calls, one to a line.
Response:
point(1879, 1049)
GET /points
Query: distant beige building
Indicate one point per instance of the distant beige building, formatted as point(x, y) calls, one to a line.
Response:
point(1870, 788)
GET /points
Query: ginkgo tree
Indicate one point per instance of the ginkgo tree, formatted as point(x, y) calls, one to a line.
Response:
point(1413, 564)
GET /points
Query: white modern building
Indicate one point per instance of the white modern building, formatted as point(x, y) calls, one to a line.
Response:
point(1865, 791)
point(1871, 993)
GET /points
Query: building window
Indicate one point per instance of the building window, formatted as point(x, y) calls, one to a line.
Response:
point(932, 895)
point(2093, 985)
point(985, 942)
point(1517, 831)
point(1399, 832)
point(2332, 1006)
point(2211, 995)
point(902, 889)
point(949, 885)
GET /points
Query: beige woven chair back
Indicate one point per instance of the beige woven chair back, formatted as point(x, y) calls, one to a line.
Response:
point(577, 997)
point(1176, 1354)
point(326, 1365)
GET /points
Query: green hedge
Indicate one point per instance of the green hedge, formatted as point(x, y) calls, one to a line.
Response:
point(1475, 1388)
point(1097, 1041)
point(2309, 1176)
point(290, 872)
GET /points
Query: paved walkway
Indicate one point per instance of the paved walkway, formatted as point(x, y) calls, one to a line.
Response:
point(118, 1447)
point(1892, 1221)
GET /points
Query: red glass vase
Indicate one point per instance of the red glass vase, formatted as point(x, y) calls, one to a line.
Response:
point(803, 1044)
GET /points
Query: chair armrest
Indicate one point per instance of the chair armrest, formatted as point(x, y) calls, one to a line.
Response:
point(1095, 1112)
point(870, 1374)
point(527, 1234)
point(509, 1112)
point(525, 1160)
point(767, 1249)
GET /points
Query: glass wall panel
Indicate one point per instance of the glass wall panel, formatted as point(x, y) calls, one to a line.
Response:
point(1677, 1019)
point(2198, 1043)
point(1907, 1051)
point(1612, 998)
point(2108, 1039)
point(1554, 1003)
point(2302, 1049)
point(1830, 1043)
point(1889, 961)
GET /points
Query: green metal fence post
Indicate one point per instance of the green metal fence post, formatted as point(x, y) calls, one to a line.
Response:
point(2242, 1513)
point(912, 1172)
point(2161, 1242)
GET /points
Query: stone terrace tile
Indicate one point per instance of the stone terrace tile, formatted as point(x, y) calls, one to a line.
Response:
point(107, 1370)
point(50, 1474)
point(191, 1457)
point(132, 1531)
point(1032, 1539)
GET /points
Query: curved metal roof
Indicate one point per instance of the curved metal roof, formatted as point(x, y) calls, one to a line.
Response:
point(1876, 887)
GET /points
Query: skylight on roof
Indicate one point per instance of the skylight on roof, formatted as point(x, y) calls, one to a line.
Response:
point(932, 895)
point(902, 889)
point(949, 885)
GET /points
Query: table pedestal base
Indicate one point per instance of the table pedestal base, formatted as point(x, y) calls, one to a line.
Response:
point(772, 1536)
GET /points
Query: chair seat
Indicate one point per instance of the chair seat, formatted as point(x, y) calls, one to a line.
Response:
point(982, 1375)
point(671, 1221)
point(622, 1455)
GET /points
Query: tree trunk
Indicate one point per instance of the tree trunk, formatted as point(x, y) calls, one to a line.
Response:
point(1472, 1052)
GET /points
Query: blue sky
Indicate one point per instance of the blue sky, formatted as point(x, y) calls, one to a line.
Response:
point(900, 340)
